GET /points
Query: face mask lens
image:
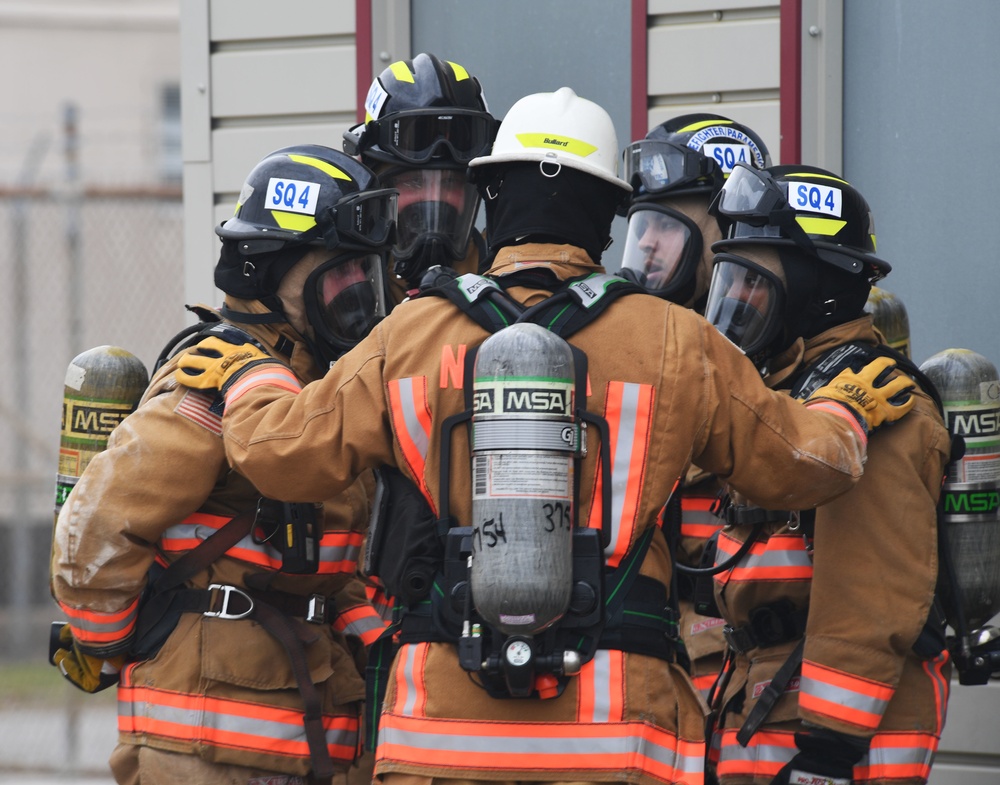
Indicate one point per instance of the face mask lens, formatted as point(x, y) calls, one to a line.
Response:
point(348, 297)
point(655, 248)
point(743, 304)
point(433, 204)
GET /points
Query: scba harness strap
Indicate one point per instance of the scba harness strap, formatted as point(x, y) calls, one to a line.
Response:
point(609, 609)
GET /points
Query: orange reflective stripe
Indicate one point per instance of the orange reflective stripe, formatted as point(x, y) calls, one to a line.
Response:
point(381, 601)
point(267, 375)
point(764, 756)
point(362, 621)
point(411, 697)
point(941, 685)
point(704, 683)
point(93, 628)
point(601, 688)
point(697, 518)
point(411, 422)
point(781, 557)
point(629, 411)
point(232, 724)
point(843, 696)
point(898, 756)
point(338, 550)
point(624, 749)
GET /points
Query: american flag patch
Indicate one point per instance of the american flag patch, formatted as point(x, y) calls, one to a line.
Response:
point(194, 406)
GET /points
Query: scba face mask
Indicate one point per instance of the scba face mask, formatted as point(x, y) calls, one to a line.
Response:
point(746, 303)
point(437, 209)
point(345, 299)
point(662, 250)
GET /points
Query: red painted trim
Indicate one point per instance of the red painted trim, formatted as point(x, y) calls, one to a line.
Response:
point(363, 48)
point(640, 72)
point(790, 90)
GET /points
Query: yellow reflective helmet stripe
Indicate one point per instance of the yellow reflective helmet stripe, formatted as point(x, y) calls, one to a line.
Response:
point(322, 165)
point(564, 143)
point(401, 72)
point(296, 222)
point(460, 72)
point(703, 124)
point(818, 176)
point(824, 227)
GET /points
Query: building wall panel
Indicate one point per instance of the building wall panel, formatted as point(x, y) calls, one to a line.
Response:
point(242, 20)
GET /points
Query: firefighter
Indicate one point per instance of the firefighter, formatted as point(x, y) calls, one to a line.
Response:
point(676, 171)
point(606, 703)
point(838, 671)
point(235, 662)
point(425, 119)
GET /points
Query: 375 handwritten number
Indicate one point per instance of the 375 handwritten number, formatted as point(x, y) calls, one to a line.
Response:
point(557, 516)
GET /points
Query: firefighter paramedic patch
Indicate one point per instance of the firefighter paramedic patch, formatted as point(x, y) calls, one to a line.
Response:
point(194, 406)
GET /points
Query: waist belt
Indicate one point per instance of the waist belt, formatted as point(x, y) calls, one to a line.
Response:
point(643, 624)
point(768, 625)
point(223, 601)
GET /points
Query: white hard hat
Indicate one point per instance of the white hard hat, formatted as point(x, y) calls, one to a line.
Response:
point(560, 128)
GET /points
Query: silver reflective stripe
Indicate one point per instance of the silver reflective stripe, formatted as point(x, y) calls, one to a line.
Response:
point(187, 719)
point(599, 675)
point(623, 440)
point(841, 696)
point(585, 747)
point(411, 421)
point(409, 664)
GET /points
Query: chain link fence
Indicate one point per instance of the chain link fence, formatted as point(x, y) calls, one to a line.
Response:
point(81, 268)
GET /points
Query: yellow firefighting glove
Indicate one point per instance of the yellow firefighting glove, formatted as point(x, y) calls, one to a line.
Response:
point(84, 671)
point(215, 363)
point(874, 398)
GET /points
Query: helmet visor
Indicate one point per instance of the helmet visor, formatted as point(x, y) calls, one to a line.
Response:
point(345, 299)
point(745, 303)
point(418, 135)
point(657, 166)
point(659, 249)
point(434, 205)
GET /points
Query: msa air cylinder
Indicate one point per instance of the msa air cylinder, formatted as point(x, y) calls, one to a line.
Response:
point(523, 447)
point(103, 386)
point(970, 392)
point(890, 318)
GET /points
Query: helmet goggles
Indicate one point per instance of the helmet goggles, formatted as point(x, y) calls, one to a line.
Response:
point(759, 207)
point(418, 135)
point(367, 218)
point(658, 166)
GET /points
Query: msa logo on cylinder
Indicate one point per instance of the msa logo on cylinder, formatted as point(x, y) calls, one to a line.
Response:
point(528, 399)
point(974, 422)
